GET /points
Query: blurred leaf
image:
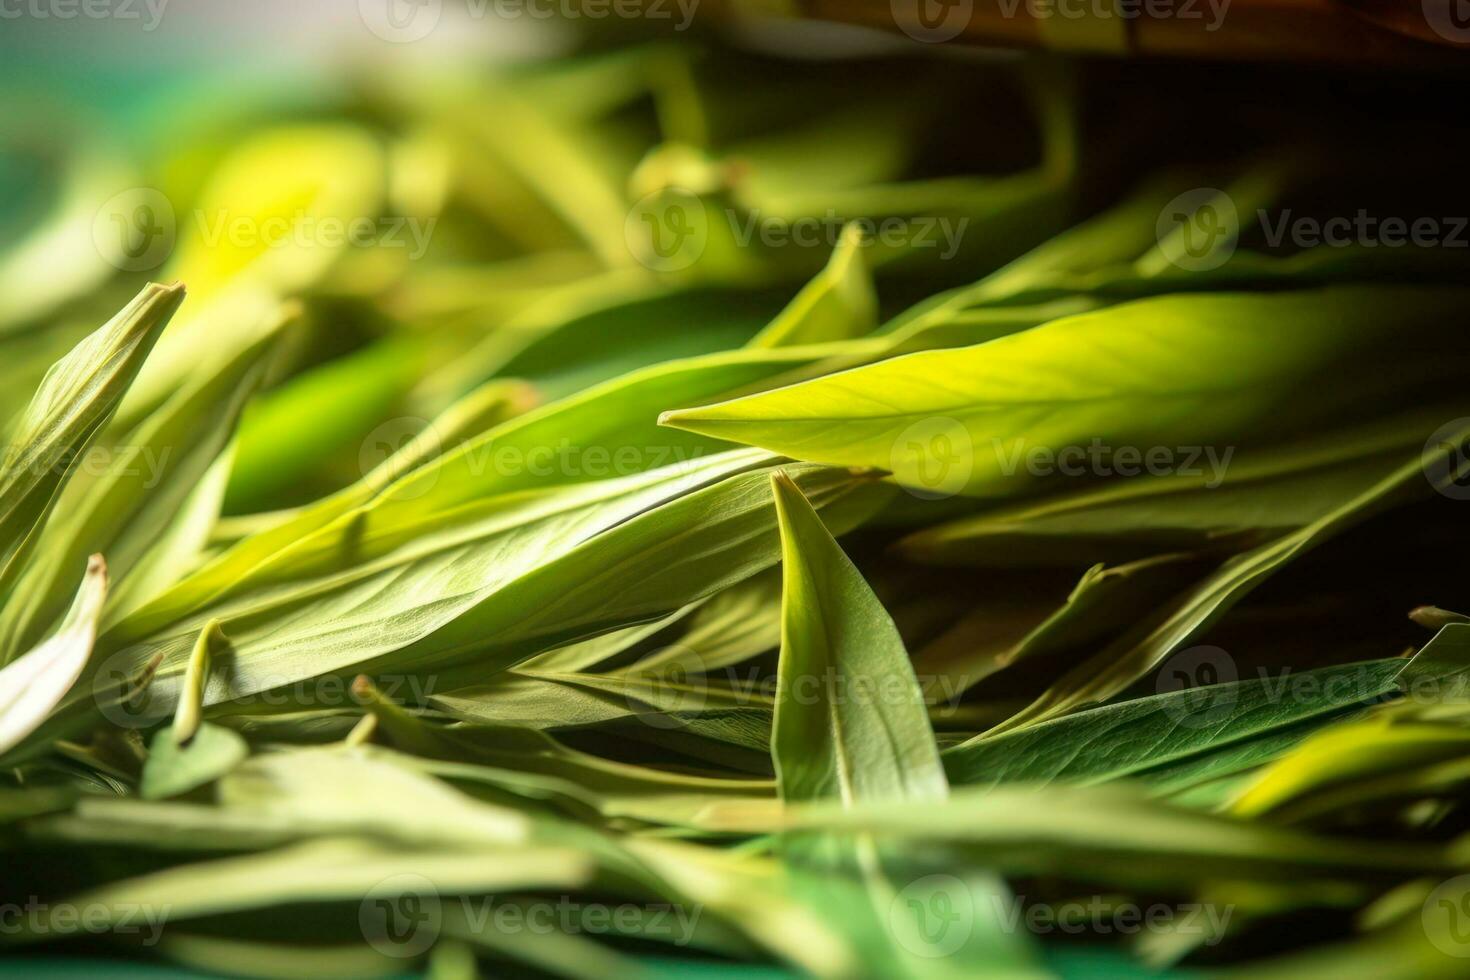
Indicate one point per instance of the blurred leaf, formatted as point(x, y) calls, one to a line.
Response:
point(78, 396)
point(839, 304)
point(172, 769)
point(1144, 647)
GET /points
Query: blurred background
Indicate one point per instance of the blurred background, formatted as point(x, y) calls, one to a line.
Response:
point(557, 192)
point(550, 193)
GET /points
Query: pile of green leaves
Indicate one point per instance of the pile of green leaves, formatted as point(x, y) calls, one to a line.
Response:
point(358, 593)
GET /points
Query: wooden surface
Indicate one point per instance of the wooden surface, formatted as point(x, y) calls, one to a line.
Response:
point(1348, 32)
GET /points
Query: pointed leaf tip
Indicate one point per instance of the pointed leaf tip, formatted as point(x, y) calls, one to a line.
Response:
point(1433, 617)
point(190, 712)
point(781, 482)
point(833, 626)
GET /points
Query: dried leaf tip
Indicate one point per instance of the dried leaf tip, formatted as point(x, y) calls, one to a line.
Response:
point(366, 693)
point(1433, 617)
point(93, 593)
point(364, 690)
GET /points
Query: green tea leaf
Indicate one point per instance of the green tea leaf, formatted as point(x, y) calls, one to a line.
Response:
point(33, 684)
point(1130, 738)
point(850, 718)
point(1224, 504)
point(148, 473)
point(1171, 371)
point(839, 304)
point(1135, 653)
point(76, 399)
